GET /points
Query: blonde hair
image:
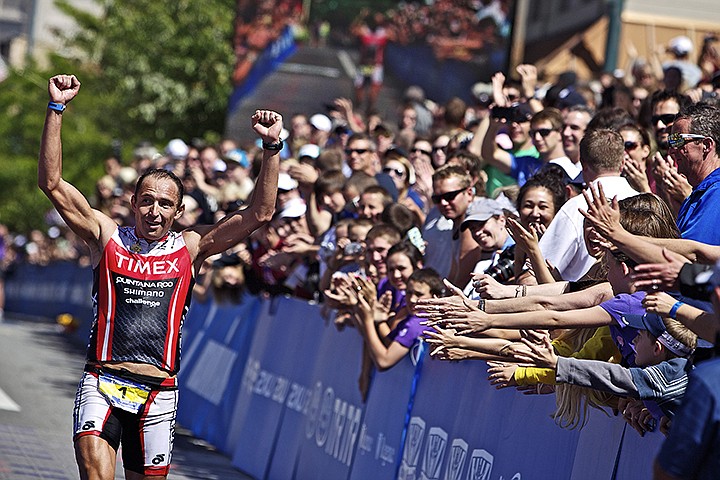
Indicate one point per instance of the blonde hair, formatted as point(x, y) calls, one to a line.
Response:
point(573, 403)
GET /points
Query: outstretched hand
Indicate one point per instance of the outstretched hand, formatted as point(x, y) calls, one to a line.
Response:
point(63, 88)
point(268, 125)
point(444, 310)
point(604, 215)
point(658, 276)
point(541, 352)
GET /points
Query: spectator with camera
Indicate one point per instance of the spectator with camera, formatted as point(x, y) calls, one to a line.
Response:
point(486, 222)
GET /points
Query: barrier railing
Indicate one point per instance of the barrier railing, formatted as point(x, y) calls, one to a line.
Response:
point(273, 386)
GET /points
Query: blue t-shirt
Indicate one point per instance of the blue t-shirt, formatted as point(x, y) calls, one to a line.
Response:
point(692, 449)
point(699, 214)
point(524, 167)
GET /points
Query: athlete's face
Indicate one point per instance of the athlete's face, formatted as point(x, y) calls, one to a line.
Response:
point(156, 207)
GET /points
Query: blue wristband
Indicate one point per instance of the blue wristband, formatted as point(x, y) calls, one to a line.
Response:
point(674, 309)
point(58, 107)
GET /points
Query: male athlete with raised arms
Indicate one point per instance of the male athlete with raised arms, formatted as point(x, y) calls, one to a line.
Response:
point(143, 278)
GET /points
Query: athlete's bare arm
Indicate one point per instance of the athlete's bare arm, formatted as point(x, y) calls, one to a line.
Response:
point(235, 227)
point(89, 224)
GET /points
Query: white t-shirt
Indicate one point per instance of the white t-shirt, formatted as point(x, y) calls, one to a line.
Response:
point(563, 243)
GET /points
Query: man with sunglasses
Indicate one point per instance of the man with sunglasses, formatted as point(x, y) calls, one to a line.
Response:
point(361, 156)
point(453, 251)
point(693, 145)
point(545, 135)
point(665, 105)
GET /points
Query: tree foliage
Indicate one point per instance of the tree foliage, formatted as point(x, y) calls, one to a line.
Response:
point(149, 71)
point(164, 68)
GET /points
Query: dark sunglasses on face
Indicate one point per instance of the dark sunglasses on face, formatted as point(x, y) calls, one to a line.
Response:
point(667, 118)
point(396, 171)
point(679, 140)
point(447, 196)
point(438, 149)
point(630, 146)
point(420, 150)
point(544, 132)
point(359, 151)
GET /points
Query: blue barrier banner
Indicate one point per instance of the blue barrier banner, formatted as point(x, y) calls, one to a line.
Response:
point(378, 447)
point(48, 291)
point(209, 376)
point(637, 454)
point(461, 427)
point(265, 64)
point(275, 380)
point(335, 413)
point(269, 382)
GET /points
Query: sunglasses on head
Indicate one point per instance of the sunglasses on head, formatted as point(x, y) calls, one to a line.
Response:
point(359, 151)
point(630, 146)
point(396, 171)
point(666, 118)
point(447, 196)
point(679, 140)
point(544, 132)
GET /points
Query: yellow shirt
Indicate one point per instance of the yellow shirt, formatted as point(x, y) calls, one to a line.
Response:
point(600, 347)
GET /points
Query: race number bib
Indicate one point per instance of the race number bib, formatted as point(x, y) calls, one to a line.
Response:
point(123, 394)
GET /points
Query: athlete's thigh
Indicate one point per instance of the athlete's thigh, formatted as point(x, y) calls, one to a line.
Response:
point(148, 440)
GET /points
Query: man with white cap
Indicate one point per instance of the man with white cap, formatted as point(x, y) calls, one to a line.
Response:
point(679, 48)
point(321, 128)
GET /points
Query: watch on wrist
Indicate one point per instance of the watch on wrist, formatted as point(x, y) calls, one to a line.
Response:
point(273, 146)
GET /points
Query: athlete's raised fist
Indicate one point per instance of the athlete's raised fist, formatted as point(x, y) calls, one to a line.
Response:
point(63, 88)
point(268, 125)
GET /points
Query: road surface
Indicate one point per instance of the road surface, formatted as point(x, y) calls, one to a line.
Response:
point(39, 375)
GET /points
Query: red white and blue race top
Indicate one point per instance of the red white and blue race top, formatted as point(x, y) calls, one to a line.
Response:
point(141, 293)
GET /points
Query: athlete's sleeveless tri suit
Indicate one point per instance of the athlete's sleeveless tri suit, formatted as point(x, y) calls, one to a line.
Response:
point(141, 293)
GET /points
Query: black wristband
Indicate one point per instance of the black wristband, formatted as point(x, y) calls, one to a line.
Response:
point(273, 146)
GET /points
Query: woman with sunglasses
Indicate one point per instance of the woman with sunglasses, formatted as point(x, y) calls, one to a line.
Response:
point(398, 167)
point(638, 162)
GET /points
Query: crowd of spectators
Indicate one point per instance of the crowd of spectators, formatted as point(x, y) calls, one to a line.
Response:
point(569, 221)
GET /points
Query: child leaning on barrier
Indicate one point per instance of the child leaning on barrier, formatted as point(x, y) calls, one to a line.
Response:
point(661, 346)
point(422, 283)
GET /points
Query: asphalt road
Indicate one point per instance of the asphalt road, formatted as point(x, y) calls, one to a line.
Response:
point(38, 377)
point(310, 78)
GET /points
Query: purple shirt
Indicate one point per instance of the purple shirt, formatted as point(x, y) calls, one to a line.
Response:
point(407, 331)
point(624, 304)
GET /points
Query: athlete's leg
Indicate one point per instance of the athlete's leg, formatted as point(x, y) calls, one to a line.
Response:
point(95, 458)
point(96, 431)
point(147, 438)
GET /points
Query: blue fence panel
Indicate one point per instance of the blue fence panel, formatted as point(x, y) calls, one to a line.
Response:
point(378, 448)
point(48, 291)
point(461, 427)
point(335, 413)
point(283, 350)
point(637, 453)
point(209, 377)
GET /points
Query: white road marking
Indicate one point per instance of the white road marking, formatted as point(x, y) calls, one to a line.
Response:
point(329, 72)
point(7, 403)
point(347, 63)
